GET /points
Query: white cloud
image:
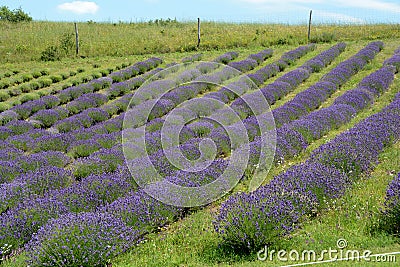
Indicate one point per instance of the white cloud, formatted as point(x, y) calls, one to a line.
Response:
point(80, 7)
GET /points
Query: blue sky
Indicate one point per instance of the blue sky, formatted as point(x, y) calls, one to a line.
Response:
point(275, 11)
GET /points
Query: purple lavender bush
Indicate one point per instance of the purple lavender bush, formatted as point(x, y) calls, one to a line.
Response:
point(84, 239)
point(45, 179)
point(391, 213)
point(142, 212)
point(9, 170)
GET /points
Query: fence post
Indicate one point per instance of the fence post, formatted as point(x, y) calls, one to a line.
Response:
point(198, 32)
point(76, 38)
point(309, 28)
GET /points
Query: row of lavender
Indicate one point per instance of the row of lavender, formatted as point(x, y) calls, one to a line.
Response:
point(87, 118)
point(108, 160)
point(306, 101)
point(48, 150)
point(391, 213)
point(289, 143)
point(294, 136)
point(251, 220)
point(90, 205)
point(116, 80)
point(29, 184)
point(21, 136)
point(80, 148)
point(194, 131)
point(85, 98)
point(27, 109)
point(88, 104)
point(137, 209)
point(105, 160)
point(23, 219)
point(28, 139)
point(152, 128)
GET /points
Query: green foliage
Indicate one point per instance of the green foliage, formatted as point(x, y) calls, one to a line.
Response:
point(4, 107)
point(44, 82)
point(36, 74)
point(63, 49)
point(16, 15)
point(25, 88)
point(15, 91)
point(51, 53)
point(34, 85)
point(163, 22)
point(4, 84)
point(67, 43)
point(27, 77)
point(325, 37)
point(28, 97)
point(82, 150)
point(56, 78)
point(4, 95)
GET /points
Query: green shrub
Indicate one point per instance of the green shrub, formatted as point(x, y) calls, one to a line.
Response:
point(323, 38)
point(36, 74)
point(27, 77)
point(45, 72)
point(16, 15)
point(96, 75)
point(83, 149)
point(15, 91)
point(4, 106)
point(67, 44)
point(25, 88)
point(44, 82)
point(86, 78)
point(66, 85)
point(44, 92)
point(4, 95)
point(15, 102)
point(104, 72)
point(28, 97)
point(76, 82)
point(34, 85)
point(16, 80)
point(4, 84)
point(51, 53)
point(64, 75)
point(8, 74)
point(56, 78)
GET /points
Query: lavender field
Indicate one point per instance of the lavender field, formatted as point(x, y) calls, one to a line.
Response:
point(250, 149)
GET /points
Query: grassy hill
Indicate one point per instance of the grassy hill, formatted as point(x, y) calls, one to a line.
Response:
point(26, 41)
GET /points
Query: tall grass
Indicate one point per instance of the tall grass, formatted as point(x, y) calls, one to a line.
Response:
point(26, 41)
